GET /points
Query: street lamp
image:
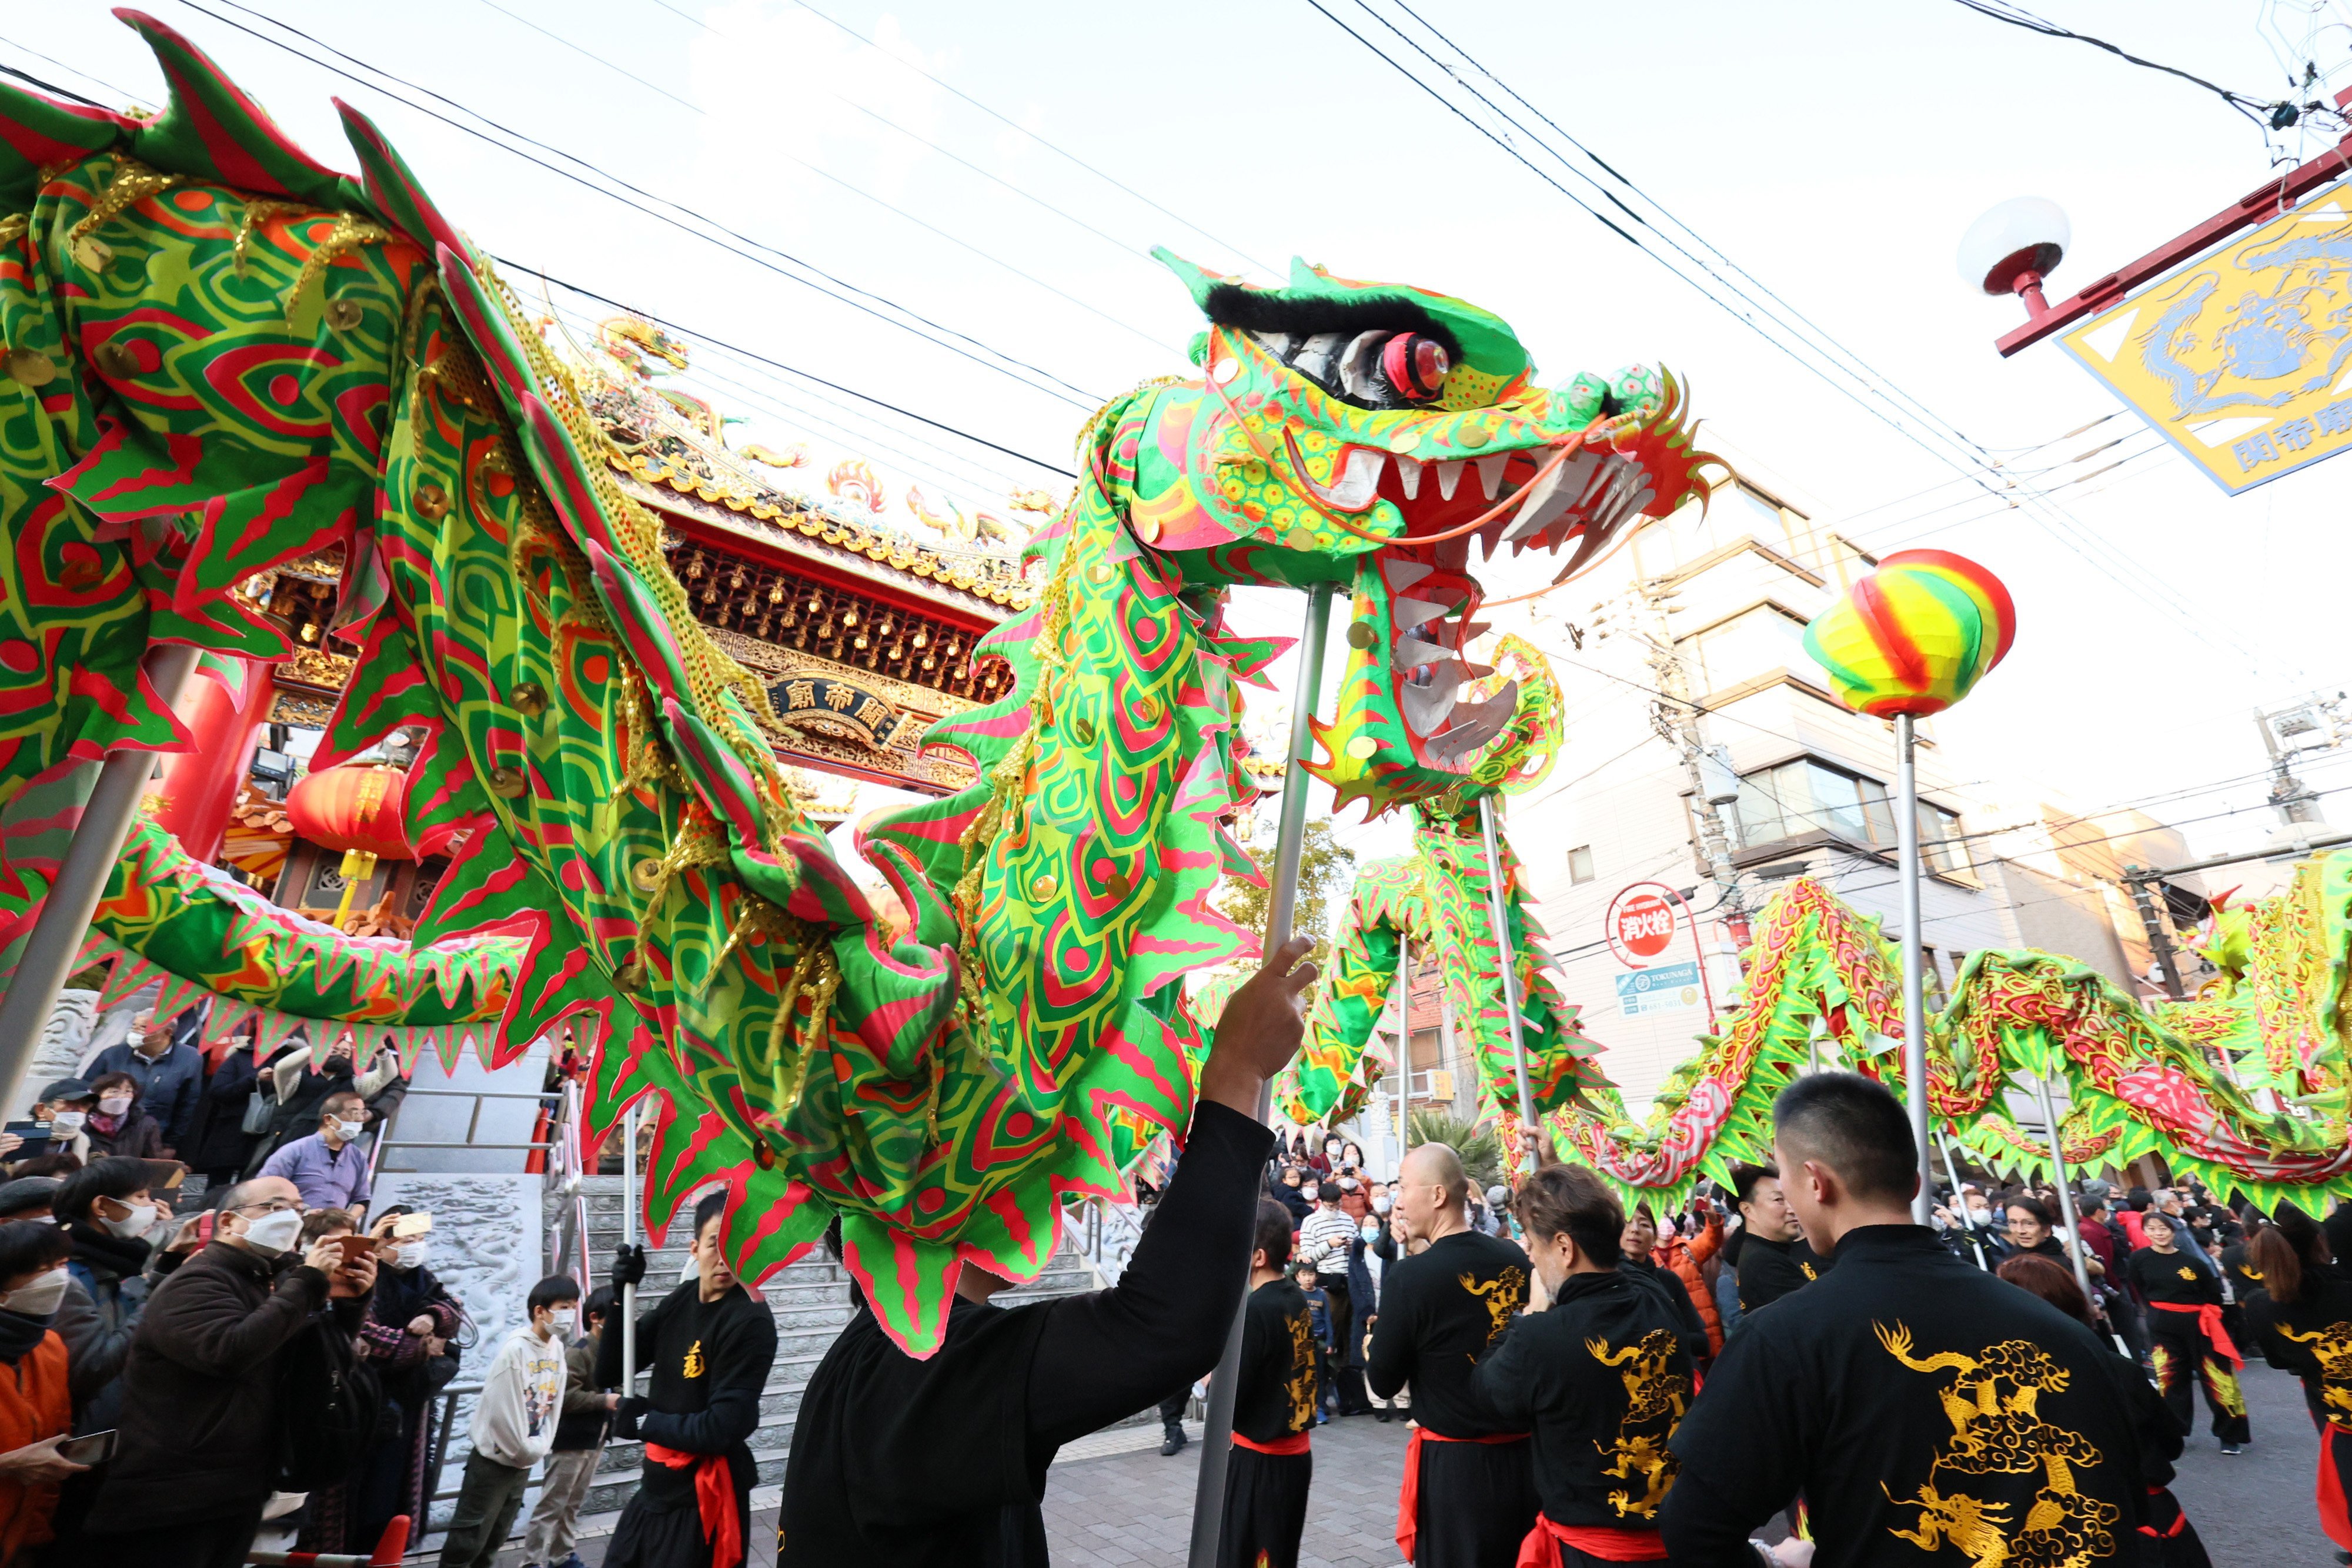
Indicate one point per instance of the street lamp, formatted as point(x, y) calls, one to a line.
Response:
point(2012, 248)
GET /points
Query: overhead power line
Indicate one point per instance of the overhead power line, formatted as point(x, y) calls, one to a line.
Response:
point(523, 266)
point(945, 86)
point(758, 252)
point(1643, 221)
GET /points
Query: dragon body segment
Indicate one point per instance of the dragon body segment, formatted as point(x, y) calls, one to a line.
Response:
point(1822, 987)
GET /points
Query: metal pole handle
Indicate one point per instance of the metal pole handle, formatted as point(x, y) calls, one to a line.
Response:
point(629, 1239)
point(1217, 1436)
point(1915, 1021)
point(1506, 961)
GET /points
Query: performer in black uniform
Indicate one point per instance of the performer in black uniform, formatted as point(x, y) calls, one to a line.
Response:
point(1601, 1368)
point(2184, 1320)
point(2303, 1321)
point(2167, 1538)
point(942, 1463)
point(1468, 1495)
point(1775, 1259)
point(1914, 1399)
point(711, 1343)
point(1269, 1469)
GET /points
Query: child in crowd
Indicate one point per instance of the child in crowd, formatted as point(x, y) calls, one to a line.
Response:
point(1319, 1307)
point(580, 1436)
point(514, 1426)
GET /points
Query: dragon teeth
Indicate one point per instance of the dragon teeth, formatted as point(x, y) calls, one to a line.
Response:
point(1407, 614)
point(1409, 476)
point(1490, 472)
point(1475, 726)
point(1549, 496)
point(1403, 574)
point(1449, 479)
point(1427, 707)
point(1359, 481)
point(1414, 652)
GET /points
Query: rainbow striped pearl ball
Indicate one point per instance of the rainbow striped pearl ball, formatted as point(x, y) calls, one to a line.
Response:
point(1915, 635)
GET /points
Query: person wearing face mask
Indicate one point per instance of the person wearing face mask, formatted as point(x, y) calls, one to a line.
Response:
point(119, 1125)
point(514, 1426)
point(406, 1339)
point(327, 1167)
point(109, 1217)
point(301, 1082)
point(35, 1408)
point(580, 1436)
point(63, 1109)
point(169, 1077)
point(202, 1422)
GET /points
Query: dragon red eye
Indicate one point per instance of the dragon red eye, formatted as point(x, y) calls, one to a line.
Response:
point(1415, 365)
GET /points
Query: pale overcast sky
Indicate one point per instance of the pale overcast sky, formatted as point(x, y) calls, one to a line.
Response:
point(1834, 150)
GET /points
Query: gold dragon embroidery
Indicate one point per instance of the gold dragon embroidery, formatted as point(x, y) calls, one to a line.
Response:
point(1996, 1430)
point(1300, 1386)
point(1656, 1395)
point(1502, 1295)
point(2332, 1347)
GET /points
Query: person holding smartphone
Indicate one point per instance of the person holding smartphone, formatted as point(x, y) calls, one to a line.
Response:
point(36, 1407)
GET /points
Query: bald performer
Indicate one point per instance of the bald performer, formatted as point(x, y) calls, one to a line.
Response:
point(1468, 1498)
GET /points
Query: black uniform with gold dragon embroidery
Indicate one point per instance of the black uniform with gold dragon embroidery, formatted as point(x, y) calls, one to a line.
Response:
point(1771, 1269)
point(710, 1361)
point(2187, 1342)
point(1268, 1472)
point(1601, 1376)
point(1468, 1497)
point(2312, 1338)
point(1915, 1401)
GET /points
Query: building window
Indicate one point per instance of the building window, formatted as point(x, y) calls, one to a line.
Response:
point(1753, 642)
point(1808, 796)
point(1580, 864)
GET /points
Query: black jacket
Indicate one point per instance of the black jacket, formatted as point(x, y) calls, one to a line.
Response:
point(217, 1140)
point(200, 1409)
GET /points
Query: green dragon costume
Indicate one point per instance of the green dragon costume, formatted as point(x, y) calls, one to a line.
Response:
point(1441, 896)
point(2176, 1080)
point(220, 353)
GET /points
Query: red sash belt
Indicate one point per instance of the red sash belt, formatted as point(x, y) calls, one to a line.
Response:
point(2331, 1516)
point(1297, 1443)
point(1408, 1524)
point(714, 1500)
point(2209, 1322)
point(1609, 1544)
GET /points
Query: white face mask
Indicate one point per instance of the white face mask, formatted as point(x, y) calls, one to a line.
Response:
point(39, 1299)
point(338, 1130)
point(1381, 1203)
point(408, 1255)
point(566, 1320)
point(274, 1232)
point(135, 1224)
point(114, 1104)
point(66, 1123)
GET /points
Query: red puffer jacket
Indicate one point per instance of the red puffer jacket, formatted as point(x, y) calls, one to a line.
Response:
point(1687, 1256)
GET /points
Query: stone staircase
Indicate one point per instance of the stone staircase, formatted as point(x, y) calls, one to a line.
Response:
point(811, 1303)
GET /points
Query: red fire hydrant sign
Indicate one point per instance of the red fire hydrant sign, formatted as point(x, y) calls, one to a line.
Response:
point(1640, 926)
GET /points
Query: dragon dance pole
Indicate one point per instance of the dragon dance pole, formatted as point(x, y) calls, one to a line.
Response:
point(1507, 961)
point(1217, 1435)
point(1960, 1203)
point(629, 1239)
point(2066, 1195)
point(47, 960)
point(1915, 1022)
point(1405, 1050)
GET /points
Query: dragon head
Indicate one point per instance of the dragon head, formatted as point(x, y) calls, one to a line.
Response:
point(1369, 433)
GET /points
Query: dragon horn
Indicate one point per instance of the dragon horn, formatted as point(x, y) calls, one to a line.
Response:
point(212, 131)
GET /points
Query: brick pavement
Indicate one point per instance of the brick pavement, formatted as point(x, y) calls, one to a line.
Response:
point(1135, 1511)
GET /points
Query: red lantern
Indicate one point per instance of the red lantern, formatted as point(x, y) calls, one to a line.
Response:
point(356, 809)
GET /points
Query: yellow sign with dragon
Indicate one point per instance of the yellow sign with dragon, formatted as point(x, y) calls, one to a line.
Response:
point(2242, 358)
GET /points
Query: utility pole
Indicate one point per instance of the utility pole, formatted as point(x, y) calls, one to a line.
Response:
point(1714, 788)
point(2159, 940)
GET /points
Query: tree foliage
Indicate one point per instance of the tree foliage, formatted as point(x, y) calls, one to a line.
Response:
point(1327, 875)
point(1481, 1150)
